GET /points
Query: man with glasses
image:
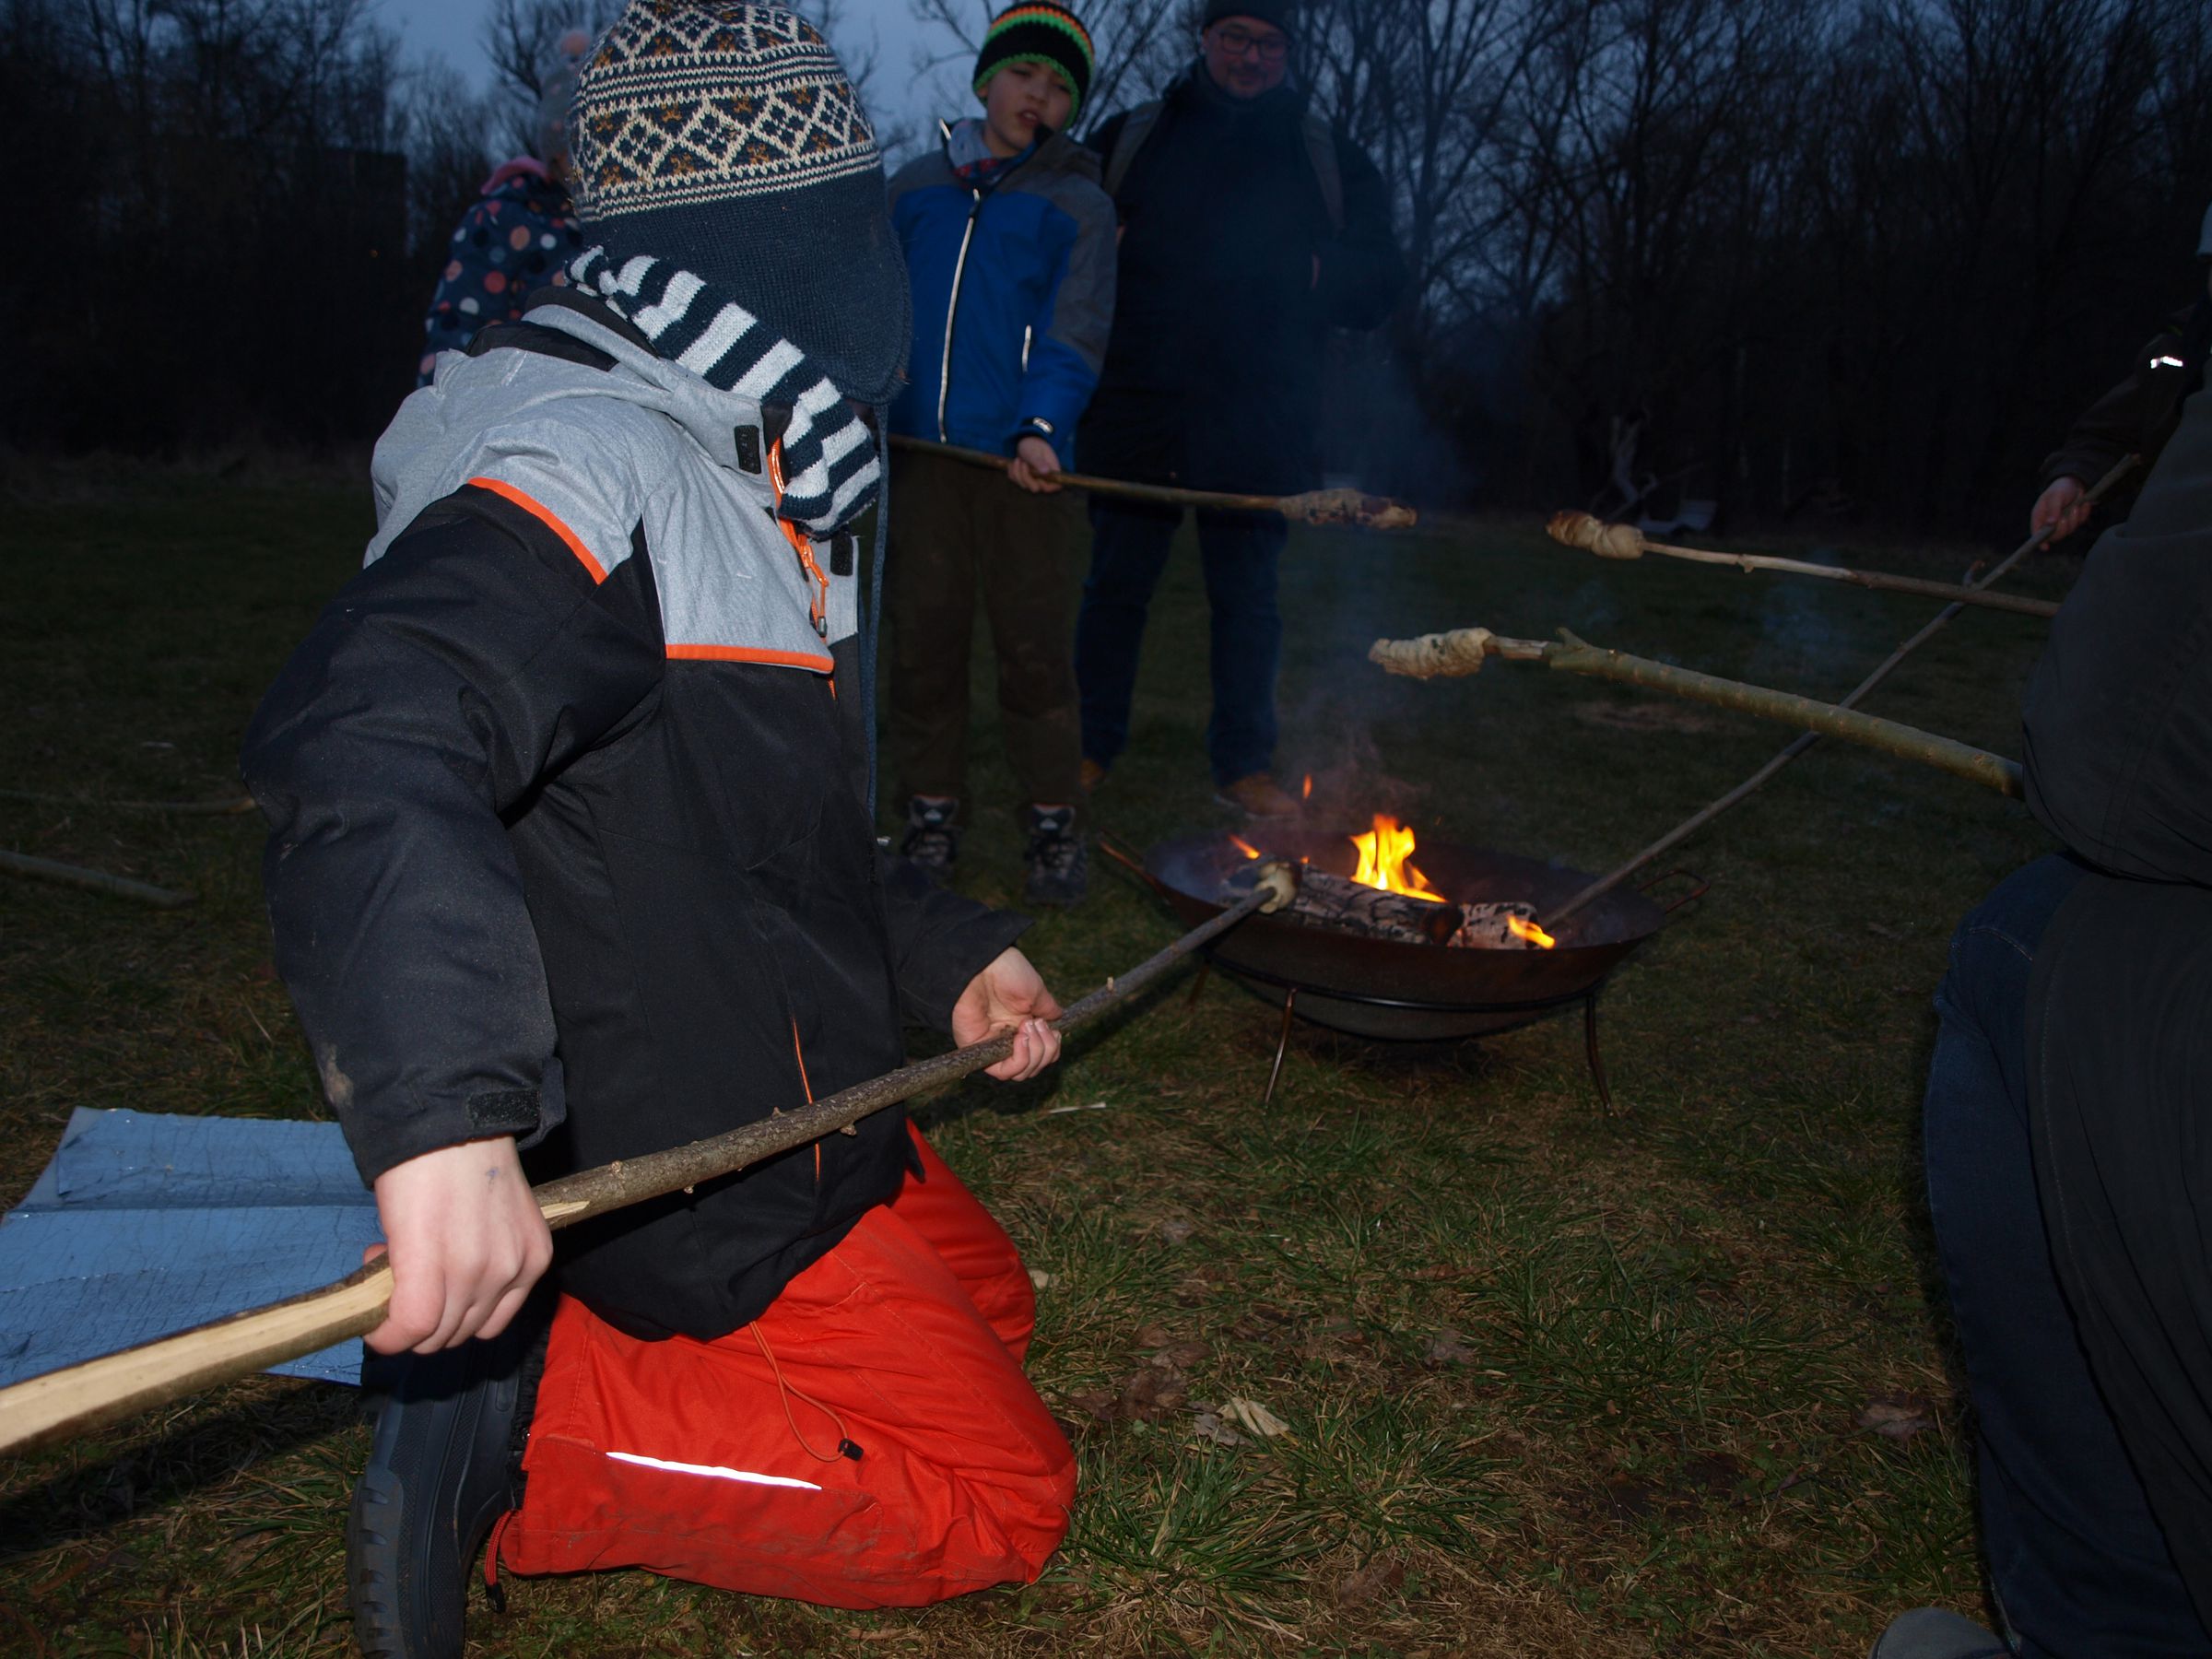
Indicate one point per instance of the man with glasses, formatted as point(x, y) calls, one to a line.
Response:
point(1250, 227)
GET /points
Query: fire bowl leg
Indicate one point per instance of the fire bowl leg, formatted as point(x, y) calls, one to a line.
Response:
point(1205, 966)
point(1597, 1064)
point(1282, 1045)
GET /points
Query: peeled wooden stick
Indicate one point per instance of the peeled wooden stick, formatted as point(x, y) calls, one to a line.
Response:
point(115, 1386)
point(1806, 740)
point(98, 881)
point(1460, 653)
point(1625, 541)
point(1313, 507)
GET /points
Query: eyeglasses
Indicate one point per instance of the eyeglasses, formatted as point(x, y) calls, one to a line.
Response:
point(1270, 48)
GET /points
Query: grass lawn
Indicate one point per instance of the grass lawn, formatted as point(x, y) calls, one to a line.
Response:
point(1555, 1383)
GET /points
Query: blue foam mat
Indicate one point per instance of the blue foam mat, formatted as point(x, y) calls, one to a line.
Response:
point(146, 1224)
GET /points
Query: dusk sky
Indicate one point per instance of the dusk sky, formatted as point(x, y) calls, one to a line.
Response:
point(448, 28)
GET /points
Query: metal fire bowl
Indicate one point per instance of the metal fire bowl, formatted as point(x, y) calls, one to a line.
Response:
point(1389, 989)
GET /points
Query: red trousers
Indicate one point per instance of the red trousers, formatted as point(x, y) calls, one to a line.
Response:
point(718, 1461)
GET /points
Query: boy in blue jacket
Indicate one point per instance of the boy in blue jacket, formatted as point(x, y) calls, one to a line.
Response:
point(1009, 250)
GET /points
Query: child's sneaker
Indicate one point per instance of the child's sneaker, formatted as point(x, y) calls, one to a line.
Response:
point(1059, 863)
point(932, 838)
point(444, 1463)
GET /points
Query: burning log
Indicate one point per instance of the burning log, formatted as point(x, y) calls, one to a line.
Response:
point(1338, 902)
point(1349, 906)
point(1351, 507)
point(1462, 651)
point(1387, 898)
point(1625, 541)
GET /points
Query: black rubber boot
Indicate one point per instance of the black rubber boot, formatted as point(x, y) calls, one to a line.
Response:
point(444, 1463)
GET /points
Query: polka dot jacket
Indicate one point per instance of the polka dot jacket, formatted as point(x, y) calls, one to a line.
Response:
point(519, 238)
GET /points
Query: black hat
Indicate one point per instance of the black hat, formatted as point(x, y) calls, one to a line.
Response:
point(1283, 14)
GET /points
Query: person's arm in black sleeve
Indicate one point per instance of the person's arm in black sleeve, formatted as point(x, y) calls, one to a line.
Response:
point(448, 680)
point(2138, 411)
point(939, 941)
point(1362, 273)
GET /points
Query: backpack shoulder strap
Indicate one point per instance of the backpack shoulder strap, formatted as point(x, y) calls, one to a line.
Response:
point(1328, 173)
point(1136, 126)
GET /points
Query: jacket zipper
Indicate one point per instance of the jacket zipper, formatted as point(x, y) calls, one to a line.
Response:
point(952, 306)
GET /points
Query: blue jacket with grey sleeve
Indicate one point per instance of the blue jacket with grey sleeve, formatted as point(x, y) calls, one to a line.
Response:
point(1012, 288)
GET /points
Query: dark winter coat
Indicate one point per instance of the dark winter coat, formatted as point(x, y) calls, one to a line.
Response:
point(566, 842)
point(1212, 375)
point(2118, 732)
point(1013, 286)
point(2138, 416)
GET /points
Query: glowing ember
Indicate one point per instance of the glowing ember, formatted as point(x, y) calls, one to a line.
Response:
point(1243, 846)
point(1383, 855)
point(1530, 932)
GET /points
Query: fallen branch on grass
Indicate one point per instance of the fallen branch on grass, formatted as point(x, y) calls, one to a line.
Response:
point(1464, 651)
point(1625, 541)
point(1314, 507)
point(98, 881)
point(81, 1398)
point(231, 809)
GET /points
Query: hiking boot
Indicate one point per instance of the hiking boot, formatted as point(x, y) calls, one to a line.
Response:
point(1257, 796)
point(1093, 775)
point(932, 838)
point(444, 1463)
point(1934, 1634)
point(1059, 863)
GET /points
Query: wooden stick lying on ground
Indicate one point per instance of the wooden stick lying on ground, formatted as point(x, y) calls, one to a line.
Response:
point(1462, 650)
point(231, 809)
point(1806, 740)
point(1625, 541)
point(107, 1390)
point(98, 881)
point(1314, 507)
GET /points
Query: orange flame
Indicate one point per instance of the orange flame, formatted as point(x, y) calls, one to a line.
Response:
point(1243, 846)
point(1383, 855)
point(1308, 792)
point(1529, 931)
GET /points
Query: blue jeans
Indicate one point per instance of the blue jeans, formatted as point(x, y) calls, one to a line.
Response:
point(1238, 552)
point(2078, 1566)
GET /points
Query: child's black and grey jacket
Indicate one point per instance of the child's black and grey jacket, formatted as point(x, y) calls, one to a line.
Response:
point(570, 838)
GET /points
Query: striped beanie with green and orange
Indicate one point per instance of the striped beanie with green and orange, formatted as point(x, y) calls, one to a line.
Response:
point(1038, 31)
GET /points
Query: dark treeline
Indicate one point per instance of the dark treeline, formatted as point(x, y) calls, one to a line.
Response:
point(1867, 257)
point(229, 214)
point(1863, 256)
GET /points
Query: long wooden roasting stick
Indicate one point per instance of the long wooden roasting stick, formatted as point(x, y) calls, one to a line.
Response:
point(107, 1390)
point(1464, 651)
point(1807, 740)
point(1625, 541)
point(1314, 507)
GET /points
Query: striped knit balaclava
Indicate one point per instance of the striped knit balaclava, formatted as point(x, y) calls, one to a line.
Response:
point(722, 141)
point(1037, 32)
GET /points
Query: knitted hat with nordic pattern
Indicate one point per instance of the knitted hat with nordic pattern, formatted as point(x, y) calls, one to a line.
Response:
point(722, 137)
point(1038, 31)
